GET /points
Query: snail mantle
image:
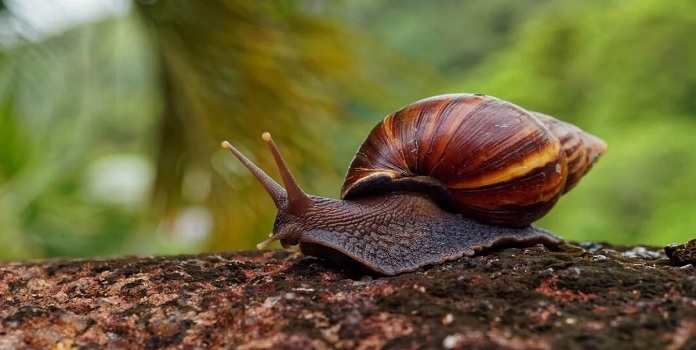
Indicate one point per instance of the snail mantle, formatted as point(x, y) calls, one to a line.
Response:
point(601, 297)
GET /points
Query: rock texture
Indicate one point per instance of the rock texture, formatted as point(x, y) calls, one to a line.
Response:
point(682, 254)
point(599, 297)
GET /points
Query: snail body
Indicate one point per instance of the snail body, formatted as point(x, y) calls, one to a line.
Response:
point(442, 178)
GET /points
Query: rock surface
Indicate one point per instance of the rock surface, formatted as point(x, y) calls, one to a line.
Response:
point(682, 254)
point(599, 297)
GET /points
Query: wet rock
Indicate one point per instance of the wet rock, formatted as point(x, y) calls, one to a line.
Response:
point(682, 254)
point(599, 296)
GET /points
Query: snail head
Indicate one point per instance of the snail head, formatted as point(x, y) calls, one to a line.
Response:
point(291, 201)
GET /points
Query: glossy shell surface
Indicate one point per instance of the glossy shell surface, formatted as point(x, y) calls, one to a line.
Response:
point(481, 156)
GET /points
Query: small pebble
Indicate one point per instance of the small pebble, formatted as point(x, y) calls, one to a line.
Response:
point(546, 272)
point(642, 252)
point(270, 301)
point(452, 341)
point(682, 254)
point(591, 247)
point(419, 288)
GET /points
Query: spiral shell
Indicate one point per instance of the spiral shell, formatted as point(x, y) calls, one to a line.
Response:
point(481, 156)
point(581, 149)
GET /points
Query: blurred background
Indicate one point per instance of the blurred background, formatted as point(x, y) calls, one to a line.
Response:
point(112, 111)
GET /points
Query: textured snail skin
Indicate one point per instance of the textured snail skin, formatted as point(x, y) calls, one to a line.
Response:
point(442, 178)
point(386, 241)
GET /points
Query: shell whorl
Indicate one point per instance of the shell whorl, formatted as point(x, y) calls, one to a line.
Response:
point(486, 158)
point(581, 149)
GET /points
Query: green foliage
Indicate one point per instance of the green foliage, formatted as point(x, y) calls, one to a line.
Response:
point(66, 102)
point(623, 71)
point(453, 36)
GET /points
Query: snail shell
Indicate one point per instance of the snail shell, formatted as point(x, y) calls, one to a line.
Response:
point(478, 155)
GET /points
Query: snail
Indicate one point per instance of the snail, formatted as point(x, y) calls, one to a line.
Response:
point(444, 177)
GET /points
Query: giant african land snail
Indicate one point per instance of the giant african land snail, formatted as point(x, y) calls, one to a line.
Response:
point(439, 179)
